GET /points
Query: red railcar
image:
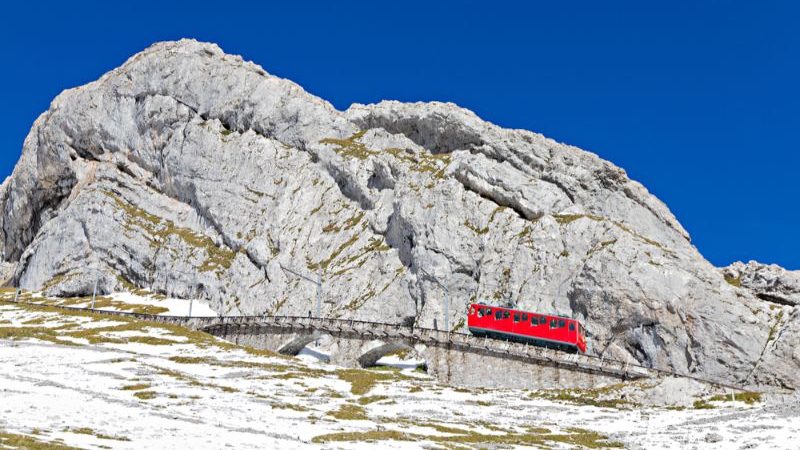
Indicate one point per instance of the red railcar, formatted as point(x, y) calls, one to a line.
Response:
point(522, 326)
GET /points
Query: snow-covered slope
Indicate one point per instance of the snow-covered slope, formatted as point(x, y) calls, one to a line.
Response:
point(92, 381)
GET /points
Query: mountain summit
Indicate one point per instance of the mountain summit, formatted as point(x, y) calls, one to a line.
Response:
point(191, 172)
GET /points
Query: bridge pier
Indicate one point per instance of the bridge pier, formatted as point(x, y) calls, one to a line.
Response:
point(488, 370)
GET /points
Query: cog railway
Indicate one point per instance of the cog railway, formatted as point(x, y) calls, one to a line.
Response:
point(556, 332)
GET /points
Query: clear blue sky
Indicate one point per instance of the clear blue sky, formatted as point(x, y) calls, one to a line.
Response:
point(698, 100)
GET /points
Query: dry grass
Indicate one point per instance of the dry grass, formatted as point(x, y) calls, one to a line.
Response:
point(371, 399)
point(21, 441)
point(362, 381)
point(349, 412)
point(91, 432)
point(39, 333)
point(603, 397)
point(136, 387)
point(747, 397)
point(351, 147)
point(145, 395)
point(576, 437)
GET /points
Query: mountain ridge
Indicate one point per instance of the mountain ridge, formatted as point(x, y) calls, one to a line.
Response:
point(196, 173)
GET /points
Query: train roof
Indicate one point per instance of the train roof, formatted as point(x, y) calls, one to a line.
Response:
point(527, 312)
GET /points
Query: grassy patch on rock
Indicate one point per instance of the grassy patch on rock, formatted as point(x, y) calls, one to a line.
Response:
point(145, 395)
point(362, 381)
point(21, 441)
point(603, 397)
point(576, 437)
point(371, 399)
point(91, 432)
point(158, 230)
point(136, 387)
point(733, 281)
point(747, 397)
point(349, 411)
point(351, 147)
point(34, 332)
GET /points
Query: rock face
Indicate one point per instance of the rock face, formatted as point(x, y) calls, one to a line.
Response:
point(191, 172)
point(769, 282)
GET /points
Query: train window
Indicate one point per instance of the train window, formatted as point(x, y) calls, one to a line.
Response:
point(516, 317)
point(480, 312)
point(524, 317)
point(561, 324)
point(506, 314)
point(498, 315)
point(571, 327)
point(553, 323)
point(534, 320)
point(487, 311)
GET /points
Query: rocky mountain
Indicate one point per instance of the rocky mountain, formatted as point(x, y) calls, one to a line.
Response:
point(194, 173)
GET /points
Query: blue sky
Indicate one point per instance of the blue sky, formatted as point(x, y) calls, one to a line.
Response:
point(700, 100)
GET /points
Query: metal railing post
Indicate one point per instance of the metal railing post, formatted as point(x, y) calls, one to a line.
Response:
point(94, 291)
point(446, 309)
point(319, 293)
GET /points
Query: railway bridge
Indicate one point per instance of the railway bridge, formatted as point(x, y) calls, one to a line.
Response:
point(452, 358)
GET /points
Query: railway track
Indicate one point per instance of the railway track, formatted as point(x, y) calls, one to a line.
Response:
point(411, 336)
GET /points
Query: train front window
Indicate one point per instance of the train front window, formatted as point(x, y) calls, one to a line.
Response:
point(571, 327)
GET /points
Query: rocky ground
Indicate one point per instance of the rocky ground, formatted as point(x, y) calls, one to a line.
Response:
point(90, 381)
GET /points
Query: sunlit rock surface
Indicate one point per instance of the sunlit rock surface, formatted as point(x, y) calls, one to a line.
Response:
point(194, 173)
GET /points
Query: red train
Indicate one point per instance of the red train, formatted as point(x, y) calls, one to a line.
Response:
point(521, 326)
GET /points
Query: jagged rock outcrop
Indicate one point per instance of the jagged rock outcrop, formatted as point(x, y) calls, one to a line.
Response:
point(769, 282)
point(193, 172)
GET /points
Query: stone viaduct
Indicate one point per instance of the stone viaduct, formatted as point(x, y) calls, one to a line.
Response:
point(452, 358)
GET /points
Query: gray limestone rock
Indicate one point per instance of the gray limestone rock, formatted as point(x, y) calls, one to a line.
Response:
point(194, 173)
point(769, 282)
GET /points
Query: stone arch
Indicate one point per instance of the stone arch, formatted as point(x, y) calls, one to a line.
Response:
point(296, 343)
point(371, 357)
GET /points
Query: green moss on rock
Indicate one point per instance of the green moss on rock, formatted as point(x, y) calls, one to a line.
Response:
point(159, 230)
